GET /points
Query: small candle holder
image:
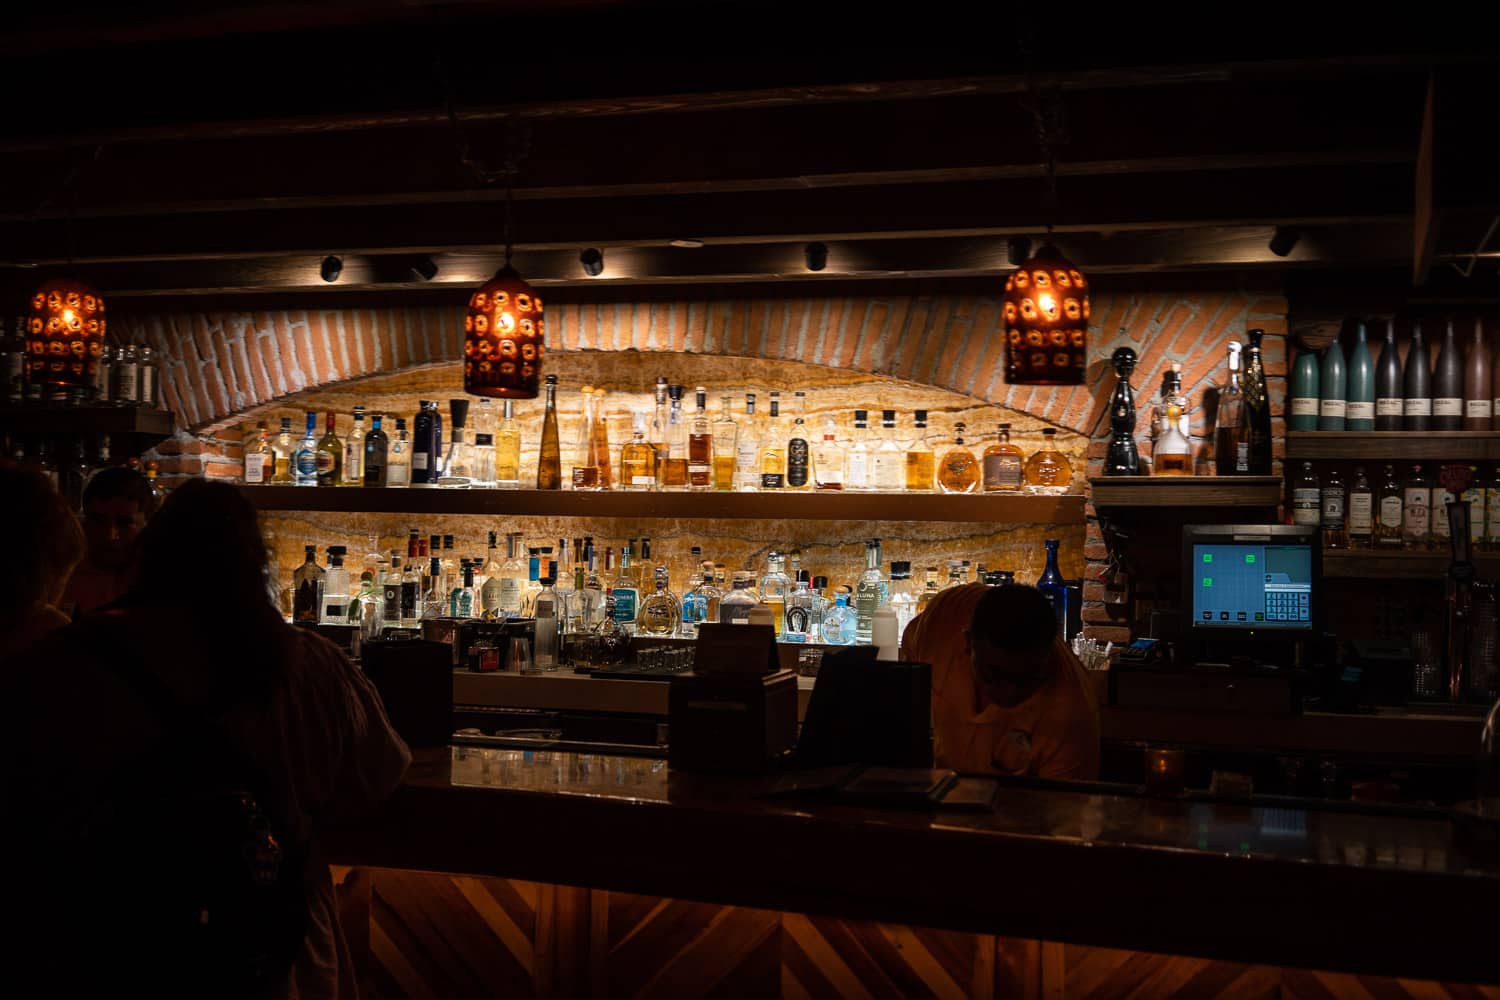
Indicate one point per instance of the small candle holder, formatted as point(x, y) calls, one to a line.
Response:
point(1164, 771)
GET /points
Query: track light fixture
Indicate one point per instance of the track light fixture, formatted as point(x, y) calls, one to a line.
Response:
point(1017, 250)
point(592, 260)
point(331, 268)
point(817, 256)
point(424, 267)
point(1284, 239)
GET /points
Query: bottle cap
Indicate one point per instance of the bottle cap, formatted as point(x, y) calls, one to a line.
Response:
point(400, 423)
point(920, 416)
point(458, 409)
point(887, 414)
point(803, 576)
point(901, 569)
point(820, 583)
point(484, 440)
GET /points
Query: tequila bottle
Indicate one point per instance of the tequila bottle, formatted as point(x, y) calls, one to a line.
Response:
point(801, 607)
point(828, 460)
point(747, 450)
point(398, 460)
point(376, 448)
point(411, 595)
point(503, 590)
point(920, 461)
point(625, 593)
point(930, 588)
point(725, 445)
point(1004, 467)
point(585, 473)
point(1048, 471)
point(259, 458)
point(590, 596)
point(507, 450)
point(1231, 438)
point(600, 431)
point(1416, 521)
point(354, 452)
point(306, 460)
point(798, 452)
point(840, 627)
point(1362, 508)
point(703, 599)
point(484, 461)
point(1054, 588)
point(549, 462)
point(958, 472)
point(773, 588)
point(645, 569)
point(1173, 454)
point(903, 596)
point(659, 428)
point(1333, 502)
point(872, 591)
point(637, 458)
point(489, 586)
point(307, 587)
point(333, 608)
point(544, 647)
point(700, 445)
point(390, 586)
point(660, 612)
point(284, 470)
point(889, 458)
point(734, 607)
point(674, 472)
point(772, 452)
point(463, 602)
point(1390, 513)
point(857, 473)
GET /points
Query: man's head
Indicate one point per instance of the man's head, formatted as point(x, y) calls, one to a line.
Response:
point(116, 504)
point(1009, 635)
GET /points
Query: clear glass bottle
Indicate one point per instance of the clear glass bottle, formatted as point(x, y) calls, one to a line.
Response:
point(747, 450)
point(889, 458)
point(1333, 516)
point(373, 460)
point(600, 432)
point(1391, 512)
point(692, 607)
point(1231, 445)
point(798, 449)
point(509, 584)
point(660, 613)
point(625, 593)
point(920, 461)
point(507, 450)
point(435, 592)
point(858, 474)
point(660, 424)
point(773, 588)
point(329, 459)
point(307, 587)
point(549, 461)
point(484, 418)
point(903, 595)
point(585, 471)
point(353, 473)
point(772, 451)
point(127, 377)
point(801, 605)
point(1474, 496)
point(1048, 470)
point(484, 462)
point(259, 458)
point(735, 606)
point(590, 596)
point(334, 605)
point(872, 591)
point(488, 580)
point(828, 460)
point(1362, 510)
point(930, 588)
point(1416, 501)
point(457, 470)
point(725, 445)
point(390, 586)
point(1004, 467)
point(398, 460)
point(637, 458)
point(674, 472)
point(284, 472)
point(958, 472)
point(700, 445)
point(305, 463)
point(545, 610)
point(840, 627)
point(1173, 454)
point(1307, 497)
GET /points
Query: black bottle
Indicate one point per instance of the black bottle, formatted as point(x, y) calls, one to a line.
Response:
point(1448, 386)
point(424, 455)
point(1388, 409)
point(376, 447)
point(1124, 458)
point(1417, 385)
point(1258, 404)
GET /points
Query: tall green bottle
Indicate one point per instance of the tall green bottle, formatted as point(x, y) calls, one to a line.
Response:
point(1332, 389)
point(1302, 392)
point(1359, 413)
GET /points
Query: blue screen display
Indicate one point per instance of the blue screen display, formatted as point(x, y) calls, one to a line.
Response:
point(1252, 586)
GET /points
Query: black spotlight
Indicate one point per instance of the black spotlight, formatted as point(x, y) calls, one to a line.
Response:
point(817, 256)
point(424, 267)
point(1017, 250)
point(331, 268)
point(1284, 239)
point(592, 260)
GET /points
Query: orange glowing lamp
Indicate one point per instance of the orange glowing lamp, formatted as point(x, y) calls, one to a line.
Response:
point(1046, 321)
point(504, 338)
point(64, 333)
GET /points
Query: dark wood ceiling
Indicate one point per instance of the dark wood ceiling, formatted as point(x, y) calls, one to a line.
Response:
point(178, 150)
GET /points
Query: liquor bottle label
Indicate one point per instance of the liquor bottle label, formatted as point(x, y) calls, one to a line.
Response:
point(1418, 512)
point(307, 464)
point(797, 620)
point(419, 461)
point(1333, 508)
point(1418, 407)
point(1478, 408)
point(1242, 456)
point(1360, 411)
point(1391, 511)
point(323, 462)
point(1388, 407)
point(509, 592)
point(125, 383)
point(1491, 514)
point(1475, 499)
point(866, 600)
point(625, 601)
point(1360, 508)
point(1447, 406)
point(1332, 408)
point(771, 480)
point(642, 481)
point(1002, 470)
point(397, 475)
point(1305, 406)
point(1440, 526)
point(796, 462)
point(255, 469)
point(1306, 506)
point(856, 470)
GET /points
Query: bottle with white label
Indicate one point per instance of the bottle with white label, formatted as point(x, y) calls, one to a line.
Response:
point(1440, 530)
point(1474, 496)
point(1388, 400)
point(1390, 512)
point(1359, 410)
point(1417, 385)
point(1307, 497)
point(1333, 496)
point(1333, 384)
point(1416, 501)
point(1302, 388)
point(1478, 409)
point(1361, 520)
point(1448, 385)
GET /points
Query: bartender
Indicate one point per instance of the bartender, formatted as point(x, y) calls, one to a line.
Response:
point(116, 505)
point(1008, 696)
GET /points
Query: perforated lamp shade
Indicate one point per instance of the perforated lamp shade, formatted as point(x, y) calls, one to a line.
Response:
point(1046, 321)
point(504, 335)
point(64, 333)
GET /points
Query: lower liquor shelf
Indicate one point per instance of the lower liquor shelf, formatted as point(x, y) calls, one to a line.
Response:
point(1186, 491)
point(1356, 564)
point(1389, 446)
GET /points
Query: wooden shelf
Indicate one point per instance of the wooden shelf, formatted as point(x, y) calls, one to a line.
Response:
point(1359, 564)
point(986, 509)
point(1186, 491)
point(1424, 446)
point(61, 420)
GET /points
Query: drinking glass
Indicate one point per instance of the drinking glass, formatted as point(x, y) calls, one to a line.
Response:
point(518, 655)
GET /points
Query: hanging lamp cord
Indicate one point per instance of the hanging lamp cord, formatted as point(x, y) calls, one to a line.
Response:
point(1046, 108)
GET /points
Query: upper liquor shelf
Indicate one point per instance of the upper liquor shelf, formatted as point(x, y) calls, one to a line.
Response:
point(1427, 446)
point(62, 420)
point(992, 508)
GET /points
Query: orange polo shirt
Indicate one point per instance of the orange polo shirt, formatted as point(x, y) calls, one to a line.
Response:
point(1052, 734)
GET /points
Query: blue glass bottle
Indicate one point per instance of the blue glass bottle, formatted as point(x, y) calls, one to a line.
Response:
point(839, 623)
point(1359, 412)
point(1051, 584)
point(1302, 393)
point(1333, 387)
point(305, 460)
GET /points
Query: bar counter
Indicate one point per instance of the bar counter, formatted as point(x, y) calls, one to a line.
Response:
point(1274, 882)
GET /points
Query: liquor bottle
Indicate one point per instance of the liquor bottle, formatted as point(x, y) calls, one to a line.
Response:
point(1416, 385)
point(645, 568)
point(1391, 513)
point(373, 458)
point(920, 461)
point(1359, 413)
point(1478, 403)
point(452, 573)
point(773, 588)
point(549, 461)
point(1361, 519)
point(1448, 385)
point(1171, 392)
point(307, 587)
point(692, 607)
point(840, 622)
point(590, 594)
point(329, 458)
point(1474, 497)
point(507, 450)
point(772, 453)
point(637, 458)
point(601, 440)
point(284, 448)
point(1003, 465)
point(1332, 500)
point(1257, 406)
point(484, 420)
point(735, 606)
point(798, 451)
point(569, 575)
point(152, 470)
point(889, 458)
point(659, 425)
point(484, 461)
point(544, 646)
point(306, 460)
point(1307, 497)
point(1439, 532)
point(436, 594)
point(458, 464)
point(1302, 392)
point(463, 602)
point(353, 473)
point(1048, 470)
point(508, 586)
point(424, 457)
point(1333, 387)
point(726, 440)
point(1052, 585)
point(75, 473)
point(1416, 500)
point(585, 472)
point(489, 586)
point(700, 447)
point(872, 591)
point(13, 364)
point(390, 585)
point(903, 595)
point(259, 458)
point(532, 584)
point(1122, 457)
point(930, 588)
point(333, 609)
point(1389, 404)
point(958, 472)
point(857, 473)
point(625, 592)
point(660, 612)
point(127, 377)
point(828, 460)
point(703, 599)
point(674, 470)
point(1231, 447)
point(1492, 511)
point(1173, 454)
point(801, 606)
point(398, 459)
point(747, 450)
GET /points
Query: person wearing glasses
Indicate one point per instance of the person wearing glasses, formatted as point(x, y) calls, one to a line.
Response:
point(1008, 695)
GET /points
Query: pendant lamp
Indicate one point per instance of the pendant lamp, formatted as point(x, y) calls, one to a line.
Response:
point(64, 334)
point(504, 338)
point(1046, 321)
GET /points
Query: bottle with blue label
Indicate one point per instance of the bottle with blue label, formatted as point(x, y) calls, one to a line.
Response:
point(627, 595)
point(1051, 584)
point(305, 460)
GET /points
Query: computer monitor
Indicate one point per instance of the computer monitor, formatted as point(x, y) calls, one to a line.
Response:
point(1250, 591)
point(867, 711)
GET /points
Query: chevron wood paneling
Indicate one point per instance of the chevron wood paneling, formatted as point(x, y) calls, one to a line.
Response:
point(1111, 974)
point(673, 948)
point(827, 957)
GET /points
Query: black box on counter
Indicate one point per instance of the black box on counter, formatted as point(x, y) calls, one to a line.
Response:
point(415, 681)
point(734, 722)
